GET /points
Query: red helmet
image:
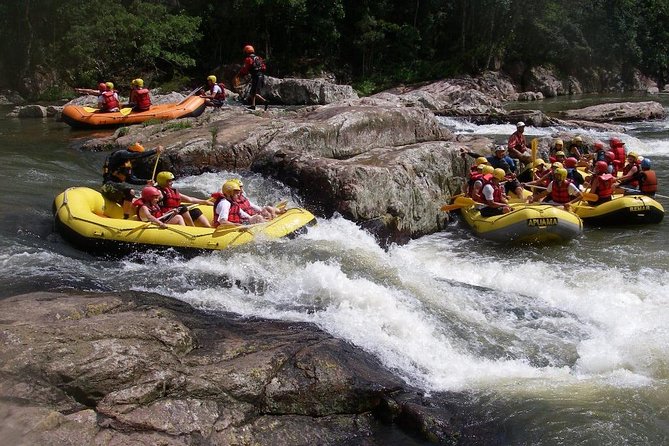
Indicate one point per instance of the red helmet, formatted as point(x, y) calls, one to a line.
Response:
point(599, 146)
point(601, 167)
point(248, 49)
point(149, 192)
point(570, 162)
point(610, 155)
point(102, 86)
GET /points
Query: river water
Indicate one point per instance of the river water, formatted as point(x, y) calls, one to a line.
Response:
point(557, 345)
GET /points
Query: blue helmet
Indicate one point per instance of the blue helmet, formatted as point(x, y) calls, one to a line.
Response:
point(645, 164)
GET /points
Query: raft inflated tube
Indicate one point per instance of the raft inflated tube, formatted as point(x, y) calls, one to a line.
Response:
point(91, 222)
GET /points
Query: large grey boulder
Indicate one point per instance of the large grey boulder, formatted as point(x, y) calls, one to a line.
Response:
point(458, 97)
point(294, 91)
point(544, 80)
point(141, 369)
point(619, 111)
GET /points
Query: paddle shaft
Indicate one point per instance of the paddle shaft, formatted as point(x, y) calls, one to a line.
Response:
point(637, 191)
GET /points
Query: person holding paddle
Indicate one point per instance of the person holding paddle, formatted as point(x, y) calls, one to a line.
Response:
point(118, 178)
point(149, 210)
point(140, 100)
point(172, 199)
point(493, 194)
point(215, 95)
point(227, 211)
point(561, 190)
point(107, 97)
point(602, 183)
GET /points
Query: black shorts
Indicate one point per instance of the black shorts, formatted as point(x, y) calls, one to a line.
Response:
point(257, 82)
point(118, 192)
point(194, 213)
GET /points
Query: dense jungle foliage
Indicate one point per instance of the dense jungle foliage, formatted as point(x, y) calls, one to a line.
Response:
point(370, 43)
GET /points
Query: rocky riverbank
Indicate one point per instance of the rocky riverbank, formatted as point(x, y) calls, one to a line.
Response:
point(142, 369)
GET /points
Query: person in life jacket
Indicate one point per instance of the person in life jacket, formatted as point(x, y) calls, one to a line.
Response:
point(602, 183)
point(140, 100)
point(474, 174)
point(572, 172)
point(517, 144)
point(630, 170)
point(599, 154)
point(172, 201)
point(255, 66)
point(118, 177)
point(493, 194)
point(540, 176)
point(646, 178)
point(148, 209)
point(618, 148)
point(227, 211)
point(576, 148)
point(266, 212)
point(558, 146)
point(561, 190)
point(479, 182)
point(215, 95)
point(108, 99)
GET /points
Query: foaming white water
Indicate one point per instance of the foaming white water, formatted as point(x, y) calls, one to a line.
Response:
point(412, 307)
point(458, 125)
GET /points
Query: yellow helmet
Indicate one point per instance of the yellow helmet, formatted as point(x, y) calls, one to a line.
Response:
point(136, 147)
point(481, 160)
point(487, 169)
point(499, 174)
point(559, 153)
point(110, 85)
point(539, 162)
point(163, 178)
point(633, 155)
point(577, 139)
point(139, 82)
point(229, 187)
point(211, 78)
point(559, 142)
point(560, 174)
point(557, 165)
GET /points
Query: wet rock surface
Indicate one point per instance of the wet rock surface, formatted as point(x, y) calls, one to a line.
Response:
point(142, 369)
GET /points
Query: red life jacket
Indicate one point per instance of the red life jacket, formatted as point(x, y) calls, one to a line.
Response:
point(497, 191)
point(245, 205)
point(110, 101)
point(171, 199)
point(153, 209)
point(143, 99)
point(649, 182)
point(221, 95)
point(234, 215)
point(619, 152)
point(605, 185)
point(560, 192)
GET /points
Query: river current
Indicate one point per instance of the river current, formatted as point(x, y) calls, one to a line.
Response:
point(559, 345)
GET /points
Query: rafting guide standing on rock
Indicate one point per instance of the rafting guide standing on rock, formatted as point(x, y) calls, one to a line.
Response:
point(255, 66)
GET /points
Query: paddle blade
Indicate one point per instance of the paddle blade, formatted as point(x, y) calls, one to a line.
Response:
point(588, 196)
point(450, 207)
point(126, 111)
point(464, 201)
point(90, 109)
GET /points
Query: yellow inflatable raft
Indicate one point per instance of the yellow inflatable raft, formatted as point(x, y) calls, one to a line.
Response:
point(90, 221)
point(83, 117)
point(621, 210)
point(526, 223)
